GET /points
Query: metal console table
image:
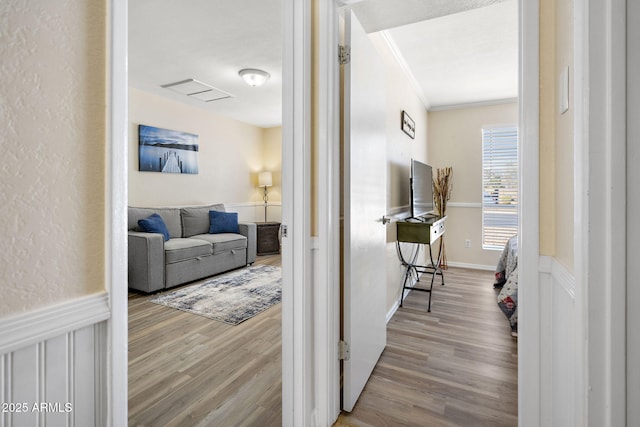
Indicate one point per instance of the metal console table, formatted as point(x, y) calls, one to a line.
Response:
point(423, 231)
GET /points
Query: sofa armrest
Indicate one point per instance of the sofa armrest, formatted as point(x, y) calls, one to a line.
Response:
point(249, 230)
point(146, 261)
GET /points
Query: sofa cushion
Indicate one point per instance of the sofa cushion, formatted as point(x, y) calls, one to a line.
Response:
point(154, 224)
point(223, 222)
point(224, 242)
point(176, 250)
point(171, 217)
point(195, 220)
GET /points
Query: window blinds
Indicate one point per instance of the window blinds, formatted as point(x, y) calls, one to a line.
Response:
point(499, 185)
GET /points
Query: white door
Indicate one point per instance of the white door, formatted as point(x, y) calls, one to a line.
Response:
point(364, 204)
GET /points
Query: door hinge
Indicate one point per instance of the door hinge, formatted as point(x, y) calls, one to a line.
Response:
point(344, 54)
point(343, 350)
point(283, 230)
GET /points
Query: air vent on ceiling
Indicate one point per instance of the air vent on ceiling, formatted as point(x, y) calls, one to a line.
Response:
point(198, 90)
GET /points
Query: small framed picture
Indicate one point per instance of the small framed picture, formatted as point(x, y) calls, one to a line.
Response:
point(408, 125)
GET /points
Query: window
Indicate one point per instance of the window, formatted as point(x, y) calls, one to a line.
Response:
point(499, 185)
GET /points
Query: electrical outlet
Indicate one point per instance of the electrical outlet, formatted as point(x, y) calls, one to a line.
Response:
point(467, 243)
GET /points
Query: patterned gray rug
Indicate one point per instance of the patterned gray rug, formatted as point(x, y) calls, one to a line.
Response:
point(230, 298)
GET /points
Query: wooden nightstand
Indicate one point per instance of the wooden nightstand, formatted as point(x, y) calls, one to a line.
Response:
point(268, 236)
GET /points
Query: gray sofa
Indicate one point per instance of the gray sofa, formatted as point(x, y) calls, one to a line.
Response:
point(191, 253)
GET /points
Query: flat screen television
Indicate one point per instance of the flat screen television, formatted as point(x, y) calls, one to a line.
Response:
point(421, 189)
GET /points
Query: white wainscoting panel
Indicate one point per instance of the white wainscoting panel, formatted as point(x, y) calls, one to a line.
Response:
point(254, 211)
point(60, 379)
point(558, 346)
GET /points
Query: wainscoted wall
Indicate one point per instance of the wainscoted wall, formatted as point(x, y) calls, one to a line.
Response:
point(51, 366)
point(558, 343)
point(254, 211)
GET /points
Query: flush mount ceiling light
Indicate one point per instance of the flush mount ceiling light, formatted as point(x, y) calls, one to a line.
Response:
point(254, 77)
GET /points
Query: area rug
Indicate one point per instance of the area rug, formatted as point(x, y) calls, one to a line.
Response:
point(230, 298)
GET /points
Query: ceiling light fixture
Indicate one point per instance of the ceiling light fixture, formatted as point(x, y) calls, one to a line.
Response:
point(254, 77)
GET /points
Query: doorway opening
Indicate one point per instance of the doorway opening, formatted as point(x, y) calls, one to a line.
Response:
point(183, 366)
point(526, 114)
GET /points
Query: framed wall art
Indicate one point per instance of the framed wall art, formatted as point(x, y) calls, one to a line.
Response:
point(408, 125)
point(167, 151)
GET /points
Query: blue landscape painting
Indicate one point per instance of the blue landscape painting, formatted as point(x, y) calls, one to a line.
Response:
point(168, 151)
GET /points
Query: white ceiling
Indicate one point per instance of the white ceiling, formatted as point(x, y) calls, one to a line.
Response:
point(466, 50)
point(377, 15)
point(466, 57)
point(210, 41)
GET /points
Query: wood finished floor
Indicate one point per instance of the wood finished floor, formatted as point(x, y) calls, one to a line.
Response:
point(455, 366)
point(187, 370)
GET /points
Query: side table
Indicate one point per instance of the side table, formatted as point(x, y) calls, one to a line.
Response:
point(268, 235)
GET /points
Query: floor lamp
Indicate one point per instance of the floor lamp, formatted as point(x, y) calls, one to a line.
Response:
point(265, 180)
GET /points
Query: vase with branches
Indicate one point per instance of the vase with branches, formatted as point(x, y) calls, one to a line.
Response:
point(442, 187)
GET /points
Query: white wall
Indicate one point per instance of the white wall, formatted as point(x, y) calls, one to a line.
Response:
point(231, 153)
point(560, 339)
point(455, 140)
point(401, 95)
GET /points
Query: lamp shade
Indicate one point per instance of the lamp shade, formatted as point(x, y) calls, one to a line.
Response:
point(254, 77)
point(265, 179)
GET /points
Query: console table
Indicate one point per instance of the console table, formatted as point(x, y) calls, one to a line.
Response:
point(421, 231)
point(268, 236)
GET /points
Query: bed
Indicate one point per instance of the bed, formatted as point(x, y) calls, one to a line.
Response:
point(507, 278)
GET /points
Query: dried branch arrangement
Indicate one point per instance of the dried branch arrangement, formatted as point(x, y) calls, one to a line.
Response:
point(442, 186)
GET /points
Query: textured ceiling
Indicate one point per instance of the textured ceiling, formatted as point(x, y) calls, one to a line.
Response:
point(463, 58)
point(377, 15)
point(210, 41)
point(456, 51)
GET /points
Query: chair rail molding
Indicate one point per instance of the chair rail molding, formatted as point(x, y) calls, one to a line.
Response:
point(57, 355)
point(36, 326)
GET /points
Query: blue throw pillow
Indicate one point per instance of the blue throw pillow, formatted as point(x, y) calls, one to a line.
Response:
point(223, 222)
point(154, 224)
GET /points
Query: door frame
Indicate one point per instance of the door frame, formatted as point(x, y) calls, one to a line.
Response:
point(529, 332)
point(600, 209)
point(327, 260)
point(297, 291)
point(297, 366)
point(116, 185)
point(529, 339)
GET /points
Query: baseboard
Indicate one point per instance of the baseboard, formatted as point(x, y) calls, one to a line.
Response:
point(471, 266)
point(40, 325)
point(392, 311)
point(396, 305)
